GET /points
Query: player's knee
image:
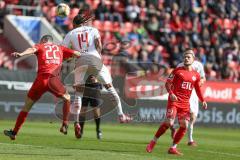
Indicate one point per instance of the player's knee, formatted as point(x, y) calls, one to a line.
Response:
point(75, 109)
point(107, 86)
point(193, 118)
point(168, 123)
point(79, 88)
point(96, 114)
point(67, 97)
point(184, 125)
point(26, 109)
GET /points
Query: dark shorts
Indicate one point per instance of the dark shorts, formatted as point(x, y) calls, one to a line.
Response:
point(87, 101)
point(91, 96)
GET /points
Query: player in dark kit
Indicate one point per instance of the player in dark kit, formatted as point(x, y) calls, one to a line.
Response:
point(179, 85)
point(91, 97)
point(50, 57)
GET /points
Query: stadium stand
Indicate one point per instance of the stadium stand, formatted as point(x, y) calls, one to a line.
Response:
point(159, 30)
point(5, 49)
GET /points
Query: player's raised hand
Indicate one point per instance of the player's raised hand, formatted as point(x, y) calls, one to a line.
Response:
point(173, 97)
point(204, 105)
point(16, 54)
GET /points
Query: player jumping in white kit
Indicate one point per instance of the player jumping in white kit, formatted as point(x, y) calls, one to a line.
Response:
point(86, 39)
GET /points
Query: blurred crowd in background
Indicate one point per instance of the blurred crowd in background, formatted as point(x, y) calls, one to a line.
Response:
point(158, 31)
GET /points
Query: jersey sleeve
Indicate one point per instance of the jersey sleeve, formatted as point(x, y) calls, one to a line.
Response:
point(169, 84)
point(171, 76)
point(201, 70)
point(37, 47)
point(198, 89)
point(67, 40)
point(67, 53)
point(96, 34)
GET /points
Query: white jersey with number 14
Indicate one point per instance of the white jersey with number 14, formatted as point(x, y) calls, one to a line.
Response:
point(82, 40)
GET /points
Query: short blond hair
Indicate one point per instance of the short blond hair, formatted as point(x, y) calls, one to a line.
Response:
point(188, 51)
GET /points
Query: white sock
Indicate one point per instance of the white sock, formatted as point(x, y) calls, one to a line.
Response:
point(76, 107)
point(174, 146)
point(190, 132)
point(116, 98)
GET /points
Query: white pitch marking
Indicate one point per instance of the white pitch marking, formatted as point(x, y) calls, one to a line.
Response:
point(199, 150)
point(214, 152)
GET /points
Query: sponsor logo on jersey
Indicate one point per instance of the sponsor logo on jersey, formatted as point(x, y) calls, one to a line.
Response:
point(194, 78)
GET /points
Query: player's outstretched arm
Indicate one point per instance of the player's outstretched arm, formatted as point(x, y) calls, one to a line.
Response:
point(69, 53)
point(76, 54)
point(202, 81)
point(168, 86)
point(199, 94)
point(98, 45)
point(28, 51)
point(204, 105)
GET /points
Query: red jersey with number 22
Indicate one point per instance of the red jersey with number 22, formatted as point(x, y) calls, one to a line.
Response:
point(50, 57)
point(183, 81)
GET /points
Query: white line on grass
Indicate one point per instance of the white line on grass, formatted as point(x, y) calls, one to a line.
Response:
point(24, 145)
point(199, 150)
point(223, 153)
point(215, 152)
point(36, 146)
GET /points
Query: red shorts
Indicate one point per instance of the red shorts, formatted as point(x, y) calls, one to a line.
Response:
point(174, 110)
point(44, 83)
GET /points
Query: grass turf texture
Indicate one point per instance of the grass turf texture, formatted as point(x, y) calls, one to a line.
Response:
point(42, 140)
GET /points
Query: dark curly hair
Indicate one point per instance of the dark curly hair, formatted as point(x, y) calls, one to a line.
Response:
point(82, 17)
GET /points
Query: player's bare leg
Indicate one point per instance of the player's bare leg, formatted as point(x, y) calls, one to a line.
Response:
point(20, 119)
point(191, 142)
point(96, 112)
point(123, 118)
point(162, 129)
point(66, 109)
point(179, 135)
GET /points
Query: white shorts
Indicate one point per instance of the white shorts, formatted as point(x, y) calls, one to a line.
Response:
point(194, 103)
point(91, 65)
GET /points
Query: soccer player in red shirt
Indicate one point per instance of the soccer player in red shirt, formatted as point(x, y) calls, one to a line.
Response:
point(50, 57)
point(179, 85)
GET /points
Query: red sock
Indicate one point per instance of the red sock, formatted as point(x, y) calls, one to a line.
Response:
point(66, 110)
point(162, 129)
point(20, 120)
point(179, 135)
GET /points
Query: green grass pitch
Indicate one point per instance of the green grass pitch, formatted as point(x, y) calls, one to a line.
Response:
point(42, 140)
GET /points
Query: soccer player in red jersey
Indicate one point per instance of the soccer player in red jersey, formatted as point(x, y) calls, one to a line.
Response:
point(179, 85)
point(50, 57)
